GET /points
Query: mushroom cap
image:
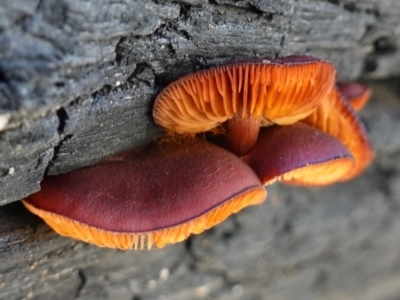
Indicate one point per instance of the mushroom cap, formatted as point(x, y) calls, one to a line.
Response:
point(298, 154)
point(357, 94)
point(336, 117)
point(280, 91)
point(158, 195)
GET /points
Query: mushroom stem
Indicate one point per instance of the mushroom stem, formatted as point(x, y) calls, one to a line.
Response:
point(243, 133)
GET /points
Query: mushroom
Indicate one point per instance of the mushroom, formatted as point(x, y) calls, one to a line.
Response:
point(157, 195)
point(336, 117)
point(247, 95)
point(298, 154)
point(161, 193)
point(357, 94)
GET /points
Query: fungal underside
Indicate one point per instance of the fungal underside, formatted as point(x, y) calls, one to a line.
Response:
point(145, 240)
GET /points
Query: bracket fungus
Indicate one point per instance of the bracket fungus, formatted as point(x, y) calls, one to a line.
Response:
point(156, 196)
point(247, 95)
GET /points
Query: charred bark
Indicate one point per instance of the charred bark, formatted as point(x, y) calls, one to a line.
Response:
point(77, 83)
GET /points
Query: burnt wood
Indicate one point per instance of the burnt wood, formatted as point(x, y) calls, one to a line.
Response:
point(77, 83)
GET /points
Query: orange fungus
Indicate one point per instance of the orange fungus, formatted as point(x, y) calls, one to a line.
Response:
point(298, 154)
point(357, 94)
point(246, 95)
point(157, 196)
point(163, 192)
point(336, 117)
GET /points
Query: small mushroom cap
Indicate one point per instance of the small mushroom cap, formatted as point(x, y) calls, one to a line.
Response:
point(357, 94)
point(336, 117)
point(280, 91)
point(159, 195)
point(299, 154)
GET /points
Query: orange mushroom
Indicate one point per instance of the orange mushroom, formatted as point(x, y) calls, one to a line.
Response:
point(298, 154)
point(247, 95)
point(357, 94)
point(336, 117)
point(162, 193)
point(156, 196)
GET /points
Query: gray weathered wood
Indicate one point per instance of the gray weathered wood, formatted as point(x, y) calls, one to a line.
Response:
point(338, 242)
point(77, 82)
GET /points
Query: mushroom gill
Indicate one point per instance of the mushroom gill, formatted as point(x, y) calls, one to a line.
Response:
point(247, 95)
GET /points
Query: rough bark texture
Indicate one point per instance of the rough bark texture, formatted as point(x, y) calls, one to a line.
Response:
point(77, 81)
point(77, 78)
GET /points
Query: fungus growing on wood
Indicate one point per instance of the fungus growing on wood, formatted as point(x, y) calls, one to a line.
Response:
point(357, 94)
point(247, 95)
point(298, 154)
point(156, 196)
point(336, 117)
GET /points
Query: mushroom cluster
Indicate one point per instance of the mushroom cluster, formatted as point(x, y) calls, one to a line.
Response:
point(282, 119)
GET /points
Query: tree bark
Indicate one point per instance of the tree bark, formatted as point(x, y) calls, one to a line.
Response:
point(75, 75)
point(77, 83)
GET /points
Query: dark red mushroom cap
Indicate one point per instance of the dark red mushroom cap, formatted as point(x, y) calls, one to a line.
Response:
point(159, 195)
point(299, 154)
point(357, 94)
point(248, 94)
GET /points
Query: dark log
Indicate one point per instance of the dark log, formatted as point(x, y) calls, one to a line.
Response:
point(77, 83)
point(76, 75)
